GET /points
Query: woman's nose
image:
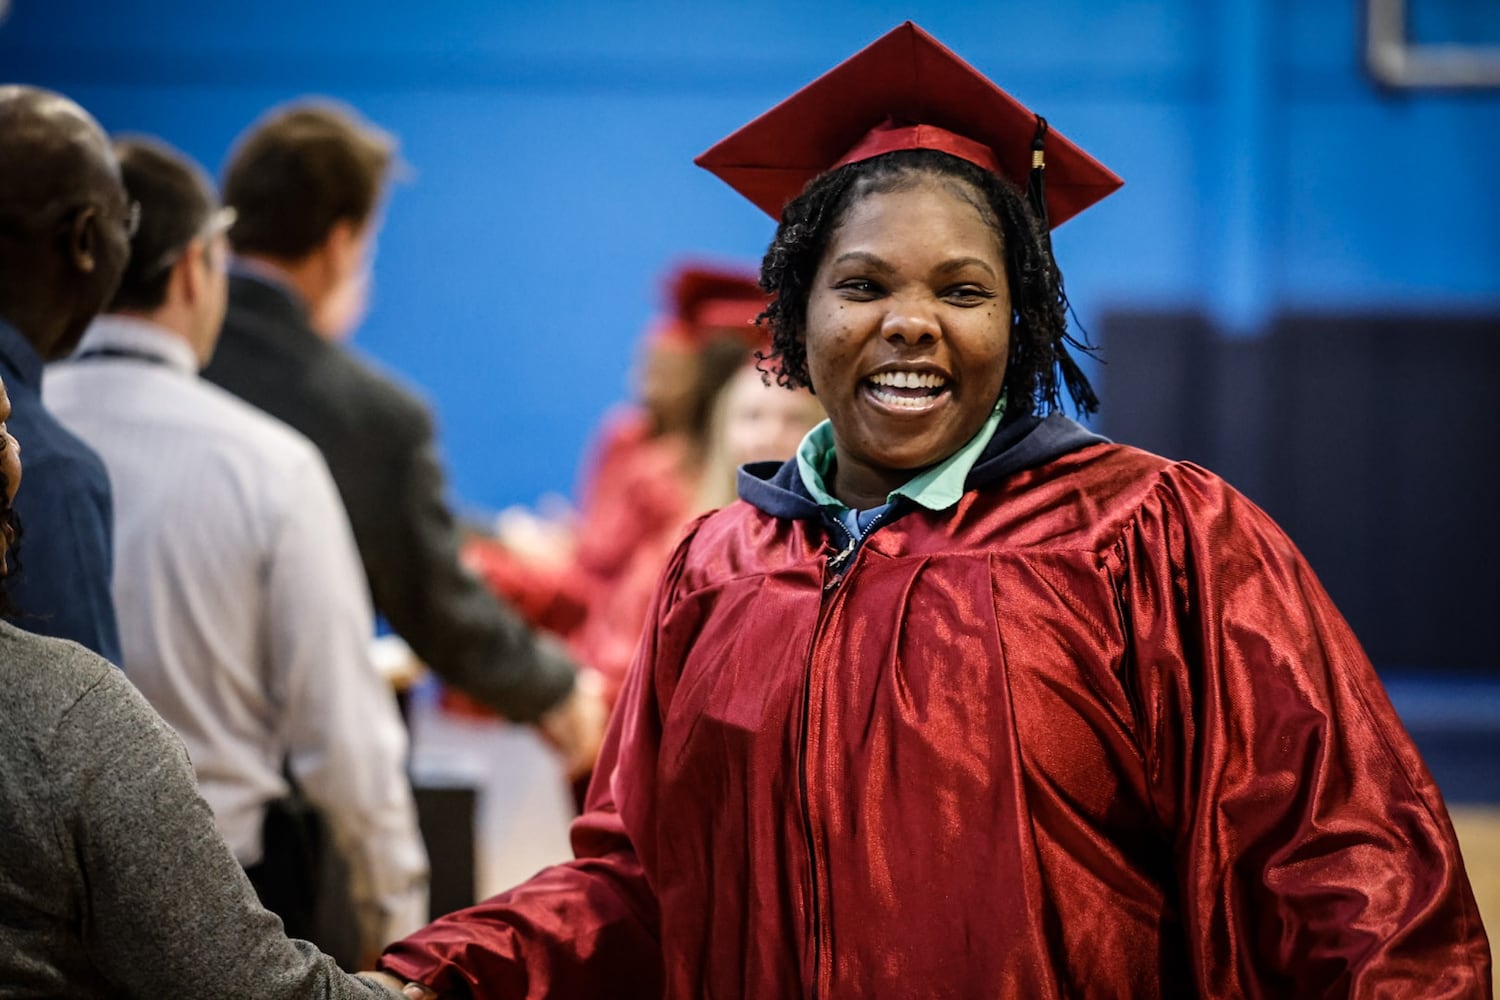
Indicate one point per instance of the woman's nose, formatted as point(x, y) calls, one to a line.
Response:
point(910, 324)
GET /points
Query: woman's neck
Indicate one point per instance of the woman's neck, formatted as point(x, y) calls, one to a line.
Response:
point(862, 489)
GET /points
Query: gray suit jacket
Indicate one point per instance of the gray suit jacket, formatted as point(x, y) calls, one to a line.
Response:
point(378, 441)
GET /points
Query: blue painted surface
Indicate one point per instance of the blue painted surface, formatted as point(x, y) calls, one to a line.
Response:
point(1455, 721)
point(552, 143)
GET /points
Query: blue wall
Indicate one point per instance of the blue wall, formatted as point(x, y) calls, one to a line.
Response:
point(551, 146)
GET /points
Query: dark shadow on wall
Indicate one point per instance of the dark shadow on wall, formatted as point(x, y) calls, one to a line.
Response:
point(1370, 438)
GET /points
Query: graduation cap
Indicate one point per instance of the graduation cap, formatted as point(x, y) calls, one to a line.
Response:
point(906, 91)
point(706, 298)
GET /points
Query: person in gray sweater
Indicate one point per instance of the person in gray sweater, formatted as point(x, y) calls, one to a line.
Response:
point(113, 879)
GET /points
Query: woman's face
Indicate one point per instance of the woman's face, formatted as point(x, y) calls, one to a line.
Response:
point(667, 380)
point(908, 330)
point(763, 423)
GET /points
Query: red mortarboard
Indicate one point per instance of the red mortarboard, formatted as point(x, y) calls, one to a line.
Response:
point(705, 297)
point(903, 91)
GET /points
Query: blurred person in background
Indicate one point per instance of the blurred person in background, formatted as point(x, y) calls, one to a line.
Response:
point(655, 447)
point(639, 503)
point(113, 880)
point(307, 182)
point(641, 482)
point(642, 465)
point(243, 609)
point(753, 420)
point(965, 700)
point(747, 421)
point(640, 487)
point(65, 226)
point(650, 494)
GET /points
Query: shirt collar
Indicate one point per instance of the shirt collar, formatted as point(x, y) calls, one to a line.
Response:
point(20, 358)
point(935, 488)
point(128, 333)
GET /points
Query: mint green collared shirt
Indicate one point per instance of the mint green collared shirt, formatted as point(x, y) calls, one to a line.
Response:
point(935, 488)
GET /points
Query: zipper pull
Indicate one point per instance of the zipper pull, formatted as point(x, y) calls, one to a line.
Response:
point(836, 564)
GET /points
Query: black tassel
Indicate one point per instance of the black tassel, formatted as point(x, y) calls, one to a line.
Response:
point(1075, 382)
point(1036, 183)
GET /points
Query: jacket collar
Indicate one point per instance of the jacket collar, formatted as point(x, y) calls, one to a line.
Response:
point(258, 288)
point(1024, 443)
point(22, 363)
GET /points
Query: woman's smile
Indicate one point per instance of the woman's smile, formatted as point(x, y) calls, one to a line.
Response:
point(908, 391)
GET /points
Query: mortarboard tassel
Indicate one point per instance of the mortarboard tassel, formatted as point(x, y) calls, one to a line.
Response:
point(1036, 194)
point(1036, 183)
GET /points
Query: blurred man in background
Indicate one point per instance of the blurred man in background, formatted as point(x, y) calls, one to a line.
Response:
point(65, 227)
point(307, 182)
point(242, 605)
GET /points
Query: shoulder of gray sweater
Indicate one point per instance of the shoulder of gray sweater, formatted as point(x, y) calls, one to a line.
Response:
point(43, 677)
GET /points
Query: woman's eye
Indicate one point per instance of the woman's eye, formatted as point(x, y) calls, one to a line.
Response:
point(968, 294)
point(859, 288)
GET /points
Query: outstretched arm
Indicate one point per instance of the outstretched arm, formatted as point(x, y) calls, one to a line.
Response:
point(410, 545)
point(590, 927)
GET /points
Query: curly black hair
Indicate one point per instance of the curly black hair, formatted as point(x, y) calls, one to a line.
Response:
point(1039, 361)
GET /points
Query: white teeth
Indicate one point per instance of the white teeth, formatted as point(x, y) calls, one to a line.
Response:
point(902, 402)
point(909, 380)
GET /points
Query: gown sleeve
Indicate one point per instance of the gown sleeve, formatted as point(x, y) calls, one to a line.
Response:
point(1314, 855)
point(591, 926)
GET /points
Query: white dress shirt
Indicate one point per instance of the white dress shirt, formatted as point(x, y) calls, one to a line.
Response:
point(244, 614)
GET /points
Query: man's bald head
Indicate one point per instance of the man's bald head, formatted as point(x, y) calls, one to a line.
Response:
point(63, 212)
point(52, 149)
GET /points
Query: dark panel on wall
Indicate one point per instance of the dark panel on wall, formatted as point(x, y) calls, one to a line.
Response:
point(1390, 481)
point(1156, 368)
point(1369, 438)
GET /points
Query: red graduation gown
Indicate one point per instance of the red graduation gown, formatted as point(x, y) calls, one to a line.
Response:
point(622, 434)
point(637, 492)
point(1095, 732)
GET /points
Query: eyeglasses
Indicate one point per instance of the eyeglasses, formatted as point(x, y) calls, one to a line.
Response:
point(132, 219)
point(217, 225)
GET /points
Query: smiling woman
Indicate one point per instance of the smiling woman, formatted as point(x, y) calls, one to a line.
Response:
point(966, 701)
